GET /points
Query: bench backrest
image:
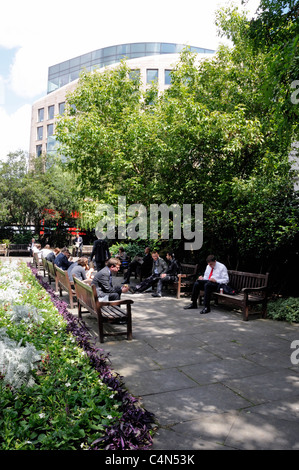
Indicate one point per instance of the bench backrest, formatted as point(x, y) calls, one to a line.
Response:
point(51, 268)
point(17, 246)
point(85, 293)
point(62, 278)
point(45, 264)
point(190, 269)
point(239, 279)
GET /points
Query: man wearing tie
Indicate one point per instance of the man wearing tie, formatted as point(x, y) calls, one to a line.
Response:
point(103, 281)
point(215, 274)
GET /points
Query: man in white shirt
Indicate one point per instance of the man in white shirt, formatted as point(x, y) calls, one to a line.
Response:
point(215, 274)
point(45, 251)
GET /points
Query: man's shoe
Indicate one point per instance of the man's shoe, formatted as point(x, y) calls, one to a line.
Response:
point(132, 290)
point(156, 294)
point(205, 310)
point(190, 306)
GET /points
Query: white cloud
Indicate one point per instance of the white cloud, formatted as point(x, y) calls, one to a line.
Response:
point(15, 130)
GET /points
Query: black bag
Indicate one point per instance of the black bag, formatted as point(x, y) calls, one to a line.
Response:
point(227, 289)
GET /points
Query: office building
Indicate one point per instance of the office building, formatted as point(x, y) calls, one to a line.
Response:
point(152, 60)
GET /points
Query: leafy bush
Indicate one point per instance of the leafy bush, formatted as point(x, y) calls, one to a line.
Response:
point(73, 400)
point(284, 309)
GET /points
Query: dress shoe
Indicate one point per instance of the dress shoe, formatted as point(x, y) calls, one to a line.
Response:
point(190, 306)
point(156, 294)
point(132, 290)
point(205, 310)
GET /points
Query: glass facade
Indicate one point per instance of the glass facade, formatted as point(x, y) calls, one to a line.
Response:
point(68, 71)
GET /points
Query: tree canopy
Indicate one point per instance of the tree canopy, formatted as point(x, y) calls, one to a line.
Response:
point(32, 194)
point(220, 136)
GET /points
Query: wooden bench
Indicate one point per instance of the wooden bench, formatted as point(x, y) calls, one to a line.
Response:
point(185, 280)
point(17, 248)
point(86, 250)
point(3, 249)
point(45, 267)
point(106, 312)
point(52, 273)
point(251, 289)
point(64, 283)
point(38, 263)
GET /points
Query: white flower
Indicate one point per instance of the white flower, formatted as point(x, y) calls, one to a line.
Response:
point(42, 415)
point(67, 384)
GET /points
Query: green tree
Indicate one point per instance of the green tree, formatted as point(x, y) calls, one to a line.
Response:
point(213, 137)
point(29, 195)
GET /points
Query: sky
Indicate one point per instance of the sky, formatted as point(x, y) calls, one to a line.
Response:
point(37, 34)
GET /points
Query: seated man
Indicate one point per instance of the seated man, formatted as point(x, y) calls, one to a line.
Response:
point(145, 264)
point(159, 267)
point(37, 249)
point(103, 281)
point(215, 274)
point(51, 256)
point(46, 251)
point(171, 274)
point(62, 260)
point(79, 269)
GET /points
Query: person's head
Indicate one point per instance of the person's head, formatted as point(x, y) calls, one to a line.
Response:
point(83, 261)
point(211, 261)
point(56, 251)
point(113, 264)
point(147, 250)
point(48, 247)
point(169, 255)
point(38, 246)
point(155, 255)
point(66, 252)
point(121, 249)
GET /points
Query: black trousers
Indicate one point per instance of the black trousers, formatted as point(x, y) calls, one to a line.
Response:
point(100, 265)
point(208, 287)
point(132, 267)
point(148, 282)
point(167, 278)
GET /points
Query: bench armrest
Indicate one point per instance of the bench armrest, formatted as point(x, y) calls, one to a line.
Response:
point(116, 302)
point(254, 289)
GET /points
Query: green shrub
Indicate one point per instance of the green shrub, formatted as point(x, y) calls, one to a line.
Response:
point(284, 309)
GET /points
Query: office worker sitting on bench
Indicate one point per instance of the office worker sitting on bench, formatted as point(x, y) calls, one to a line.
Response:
point(103, 281)
point(215, 274)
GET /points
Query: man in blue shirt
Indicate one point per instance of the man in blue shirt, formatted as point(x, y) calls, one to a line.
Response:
point(62, 260)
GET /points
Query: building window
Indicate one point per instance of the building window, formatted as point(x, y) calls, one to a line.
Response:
point(51, 112)
point(40, 115)
point(134, 74)
point(151, 75)
point(50, 129)
point(167, 77)
point(39, 133)
point(61, 108)
point(38, 150)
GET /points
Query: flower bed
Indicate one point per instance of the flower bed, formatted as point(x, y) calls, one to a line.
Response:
point(57, 390)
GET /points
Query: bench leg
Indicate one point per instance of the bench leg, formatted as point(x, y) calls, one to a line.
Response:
point(264, 309)
point(129, 323)
point(245, 313)
point(101, 328)
point(178, 292)
point(79, 310)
